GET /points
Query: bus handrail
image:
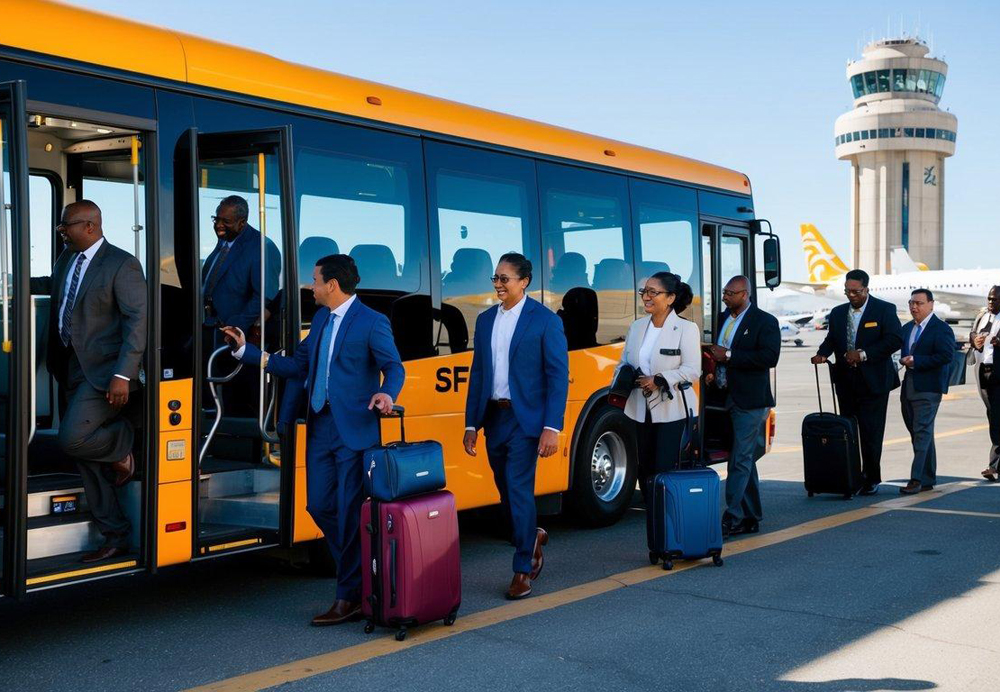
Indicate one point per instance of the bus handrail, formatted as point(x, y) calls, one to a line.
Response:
point(33, 388)
point(262, 222)
point(212, 382)
point(271, 438)
point(7, 346)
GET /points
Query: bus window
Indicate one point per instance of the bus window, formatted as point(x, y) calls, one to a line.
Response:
point(42, 194)
point(667, 219)
point(587, 253)
point(484, 206)
point(708, 302)
point(732, 257)
point(360, 194)
point(107, 180)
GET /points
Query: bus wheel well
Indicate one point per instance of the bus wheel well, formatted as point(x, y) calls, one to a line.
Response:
point(604, 466)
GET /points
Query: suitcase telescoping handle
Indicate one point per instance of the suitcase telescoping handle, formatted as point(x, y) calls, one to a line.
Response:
point(397, 412)
point(833, 388)
point(689, 426)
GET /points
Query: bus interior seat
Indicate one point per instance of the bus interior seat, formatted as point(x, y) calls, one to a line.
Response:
point(612, 274)
point(570, 271)
point(376, 266)
point(649, 267)
point(579, 315)
point(411, 319)
point(453, 322)
point(311, 250)
point(470, 271)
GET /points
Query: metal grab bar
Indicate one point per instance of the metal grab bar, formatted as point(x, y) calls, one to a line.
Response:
point(212, 381)
point(262, 222)
point(33, 388)
point(136, 226)
point(271, 438)
point(4, 296)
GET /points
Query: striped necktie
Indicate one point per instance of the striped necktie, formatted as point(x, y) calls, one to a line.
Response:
point(74, 284)
point(321, 377)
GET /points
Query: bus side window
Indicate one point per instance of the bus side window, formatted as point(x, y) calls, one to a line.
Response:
point(666, 217)
point(483, 205)
point(586, 239)
point(360, 193)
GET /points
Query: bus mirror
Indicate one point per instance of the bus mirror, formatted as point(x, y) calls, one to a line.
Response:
point(772, 262)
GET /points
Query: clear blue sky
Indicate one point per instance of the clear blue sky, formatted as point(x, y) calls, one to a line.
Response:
point(755, 86)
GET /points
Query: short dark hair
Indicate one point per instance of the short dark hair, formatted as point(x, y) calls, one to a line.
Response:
point(342, 268)
point(521, 263)
point(857, 275)
point(926, 292)
point(995, 287)
point(238, 204)
point(672, 284)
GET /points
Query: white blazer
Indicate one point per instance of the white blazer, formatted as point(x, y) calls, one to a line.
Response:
point(677, 333)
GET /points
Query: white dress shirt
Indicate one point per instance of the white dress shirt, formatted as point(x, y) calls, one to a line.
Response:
point(988, 347)
point(88, 256)
point(855, 317)
point(503, 332)
point(647, 348)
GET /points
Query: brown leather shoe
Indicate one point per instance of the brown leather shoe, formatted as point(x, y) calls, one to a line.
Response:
point(925, 488)
point(990, 475)
point(104, 553)
point(341, 611)
point(537, 559)
point(124, 470)
point(911, 488)
point(520, 587)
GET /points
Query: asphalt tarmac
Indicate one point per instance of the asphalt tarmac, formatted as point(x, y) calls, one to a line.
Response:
point(877, 593)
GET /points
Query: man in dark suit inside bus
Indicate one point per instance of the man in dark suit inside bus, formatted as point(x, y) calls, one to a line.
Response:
point(231, 290)
point(928, 349)
point(97, 337)
point(517, 394)
point(863, 335)
point(748, 346)
point(352, 370)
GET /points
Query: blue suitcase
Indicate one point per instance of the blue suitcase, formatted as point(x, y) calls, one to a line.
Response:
point(685, 520)
point(403, 469)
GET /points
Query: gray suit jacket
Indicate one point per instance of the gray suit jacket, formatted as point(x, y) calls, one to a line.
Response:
point(108, 330)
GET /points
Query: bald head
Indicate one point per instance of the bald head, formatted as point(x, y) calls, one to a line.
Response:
point(736, 294)
point(81, 225)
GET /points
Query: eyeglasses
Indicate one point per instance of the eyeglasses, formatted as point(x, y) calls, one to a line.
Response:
point(502, 279)
point(649, 292)
point(854, 291)
point(730, 294)
point(224, 222)
point(67, 224)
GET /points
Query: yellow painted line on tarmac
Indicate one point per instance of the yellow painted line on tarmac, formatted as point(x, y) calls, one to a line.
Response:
point(384, 646)
point(957, 512)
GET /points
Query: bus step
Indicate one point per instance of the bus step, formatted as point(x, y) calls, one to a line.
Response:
point(257, 510)
point(56, 534)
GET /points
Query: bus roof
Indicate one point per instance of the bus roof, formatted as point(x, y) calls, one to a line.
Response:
point(67, 32)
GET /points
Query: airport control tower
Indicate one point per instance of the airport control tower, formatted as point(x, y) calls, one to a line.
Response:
point(896, 139)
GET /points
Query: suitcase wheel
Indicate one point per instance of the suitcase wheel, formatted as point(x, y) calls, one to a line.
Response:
point(653, 557)
point(401, 634)
point(717, 560)
point(668, 565)
point(369, 627)
point(449, 620)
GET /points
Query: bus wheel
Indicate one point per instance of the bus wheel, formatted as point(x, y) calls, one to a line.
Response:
point(320, 559)
point(604, 468)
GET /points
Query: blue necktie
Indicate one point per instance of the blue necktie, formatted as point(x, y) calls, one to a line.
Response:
point(74, 284)
point(322, 374)
point(916, 338)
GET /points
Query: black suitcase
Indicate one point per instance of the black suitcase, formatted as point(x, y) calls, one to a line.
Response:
point(831, 450)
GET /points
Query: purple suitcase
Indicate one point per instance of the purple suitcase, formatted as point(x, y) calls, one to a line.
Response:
point(410, 572)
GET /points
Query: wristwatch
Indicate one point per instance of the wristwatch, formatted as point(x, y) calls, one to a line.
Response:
point(729, 354)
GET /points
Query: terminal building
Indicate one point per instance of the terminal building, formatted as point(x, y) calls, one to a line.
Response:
point(896, 139)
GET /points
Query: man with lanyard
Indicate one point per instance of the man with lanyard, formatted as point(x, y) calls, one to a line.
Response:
point(748, 347)
point(984, 342)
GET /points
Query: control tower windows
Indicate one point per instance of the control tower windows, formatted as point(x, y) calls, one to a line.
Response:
point(884, 83)
point(891, 133)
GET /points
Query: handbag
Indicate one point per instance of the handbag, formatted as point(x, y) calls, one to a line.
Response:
point(623, 385)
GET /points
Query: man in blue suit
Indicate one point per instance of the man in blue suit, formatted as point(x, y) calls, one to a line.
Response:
point(928, 349)
point(517, 395)
point(231, 288)
point(351, 367)
point(863, 335)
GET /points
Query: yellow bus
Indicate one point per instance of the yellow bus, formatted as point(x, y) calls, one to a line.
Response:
point(425, 194)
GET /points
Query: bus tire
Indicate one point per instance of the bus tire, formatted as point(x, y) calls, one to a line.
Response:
point(605, 468)
point(320, 559)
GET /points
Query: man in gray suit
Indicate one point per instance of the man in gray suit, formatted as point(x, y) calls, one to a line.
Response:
point(97, 337)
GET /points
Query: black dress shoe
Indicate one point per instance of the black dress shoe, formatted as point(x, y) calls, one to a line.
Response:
point(727, 528)
point(925, 488)
point(105, 553)
point(869, 490)
point(750, 526)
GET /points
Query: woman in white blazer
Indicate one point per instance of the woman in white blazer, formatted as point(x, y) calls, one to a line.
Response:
point(666, 349)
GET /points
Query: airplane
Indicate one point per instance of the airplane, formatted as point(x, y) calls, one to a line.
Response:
point(958, 293)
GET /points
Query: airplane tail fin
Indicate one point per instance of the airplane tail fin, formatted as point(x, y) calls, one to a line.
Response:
point(822, 262)
point(901, 262)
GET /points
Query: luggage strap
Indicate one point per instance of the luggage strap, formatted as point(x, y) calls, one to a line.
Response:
point(833, 388)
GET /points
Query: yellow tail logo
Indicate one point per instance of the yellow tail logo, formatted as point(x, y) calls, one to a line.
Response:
point(822, 262)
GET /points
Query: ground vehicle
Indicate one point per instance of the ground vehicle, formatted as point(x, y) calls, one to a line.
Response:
point(424, 193)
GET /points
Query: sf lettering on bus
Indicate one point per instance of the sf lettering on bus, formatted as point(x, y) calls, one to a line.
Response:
point(448, 379)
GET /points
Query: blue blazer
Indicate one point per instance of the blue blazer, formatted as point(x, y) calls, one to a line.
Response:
point(539, 369)
point(236, 294)
point(365, 361)
point(878, 336)
point(932, 355)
